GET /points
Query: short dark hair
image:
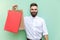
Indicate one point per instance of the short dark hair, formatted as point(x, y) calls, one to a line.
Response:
point(33, 4)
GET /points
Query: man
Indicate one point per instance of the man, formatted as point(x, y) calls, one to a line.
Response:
point(35, 26)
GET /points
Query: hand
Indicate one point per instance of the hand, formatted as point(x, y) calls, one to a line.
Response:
point(14, 7)
point(46, 37)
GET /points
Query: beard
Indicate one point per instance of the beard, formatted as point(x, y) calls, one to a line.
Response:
point(33, 14)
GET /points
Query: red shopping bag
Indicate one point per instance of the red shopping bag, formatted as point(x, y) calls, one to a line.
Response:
point(13, 21)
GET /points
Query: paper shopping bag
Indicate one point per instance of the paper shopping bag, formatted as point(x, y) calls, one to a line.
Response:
point(13, 21)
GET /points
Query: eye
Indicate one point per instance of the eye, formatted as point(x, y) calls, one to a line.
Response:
point(32, 9)
point(35, 9)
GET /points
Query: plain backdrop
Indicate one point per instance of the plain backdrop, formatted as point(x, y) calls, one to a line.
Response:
point(48, 9)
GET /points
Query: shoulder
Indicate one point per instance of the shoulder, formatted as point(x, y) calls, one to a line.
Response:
point(41, 19)
point(26, 17)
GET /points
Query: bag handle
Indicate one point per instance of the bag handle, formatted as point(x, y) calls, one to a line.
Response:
point(15, 8)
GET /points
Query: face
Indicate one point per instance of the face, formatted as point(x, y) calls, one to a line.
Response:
point(33, 10)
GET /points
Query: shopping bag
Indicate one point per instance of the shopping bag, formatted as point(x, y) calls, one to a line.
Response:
point(13, 21)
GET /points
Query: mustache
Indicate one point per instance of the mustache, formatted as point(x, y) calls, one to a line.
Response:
point(33, 12)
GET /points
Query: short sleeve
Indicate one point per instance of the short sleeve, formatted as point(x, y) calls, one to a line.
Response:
point(45, 31)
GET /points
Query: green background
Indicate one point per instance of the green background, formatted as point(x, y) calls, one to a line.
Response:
point(48, 9)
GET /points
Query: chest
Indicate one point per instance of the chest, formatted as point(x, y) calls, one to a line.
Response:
point(34, 22)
